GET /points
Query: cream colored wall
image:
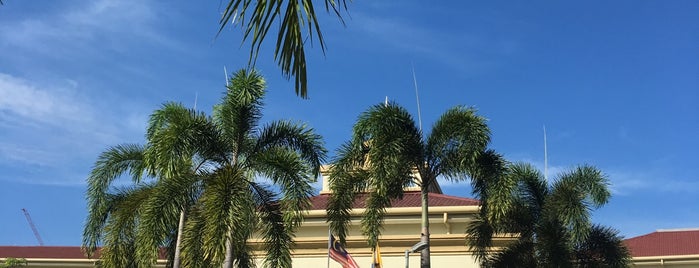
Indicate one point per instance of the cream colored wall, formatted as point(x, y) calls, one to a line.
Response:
point(683, 261)
point(668, 265)
point(72, 263)
point(401, 231)
point(392, 261)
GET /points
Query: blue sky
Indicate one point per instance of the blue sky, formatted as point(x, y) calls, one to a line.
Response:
point(615, 82)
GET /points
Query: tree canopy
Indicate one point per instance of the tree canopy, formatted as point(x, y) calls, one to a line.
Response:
point(232, 175)
point(388, 151)
point(550, 222)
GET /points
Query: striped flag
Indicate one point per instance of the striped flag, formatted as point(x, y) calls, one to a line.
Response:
point(338, 253)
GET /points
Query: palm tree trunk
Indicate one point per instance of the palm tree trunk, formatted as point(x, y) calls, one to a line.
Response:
point(178, 244)
point(425, 233)
point(228, 262)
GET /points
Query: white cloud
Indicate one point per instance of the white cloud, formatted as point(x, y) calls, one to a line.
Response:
point(80, 30)
point(48, 133)
point(32, 156)
point(23, 102)
point(625, 182)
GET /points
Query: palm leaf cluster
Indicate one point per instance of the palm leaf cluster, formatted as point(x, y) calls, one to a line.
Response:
point(202, 186)
point(551, 223)
point(292, 17)
point(388, 152)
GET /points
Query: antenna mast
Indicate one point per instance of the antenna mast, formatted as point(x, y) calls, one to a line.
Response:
point(31, 224)
point(546, 159)
point(417, 97)
point(225, 73)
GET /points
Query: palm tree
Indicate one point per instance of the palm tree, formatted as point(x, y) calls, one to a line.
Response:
point(551, 222)
point(385, 152)
point(210, 168)
point(233, 201)
point(134, 221)
point(291, 17)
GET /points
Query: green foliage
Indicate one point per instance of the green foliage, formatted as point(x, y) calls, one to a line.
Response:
point(551, 222)
point(13, 262)
point(208, 167)
point(292, 17)
point(386, 149)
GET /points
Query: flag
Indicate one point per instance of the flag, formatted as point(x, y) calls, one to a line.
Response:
point(338, 253)
point(376, 258)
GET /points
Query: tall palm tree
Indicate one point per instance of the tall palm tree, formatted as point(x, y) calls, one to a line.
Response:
point(386, 149)
point(234, 202)
point(292, 17)
point(551, 222)
point(211, 167)
point(146, 212)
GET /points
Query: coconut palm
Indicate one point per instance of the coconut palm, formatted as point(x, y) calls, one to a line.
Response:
point(292, 17)
point(210, 168)
point(387, 149)
point(233, 201)
point(551, 223)
point(144, 214)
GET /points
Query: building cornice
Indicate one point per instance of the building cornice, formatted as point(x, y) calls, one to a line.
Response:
point(320, 213)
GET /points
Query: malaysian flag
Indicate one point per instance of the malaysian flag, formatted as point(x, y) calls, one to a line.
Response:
point(338, 253)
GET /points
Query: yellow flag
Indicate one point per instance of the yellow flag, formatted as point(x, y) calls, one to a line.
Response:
point(376, 263)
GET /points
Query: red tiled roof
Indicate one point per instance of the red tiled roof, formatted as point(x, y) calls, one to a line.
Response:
point(665, 243)
point(42, 252)
point(410, 199)
point(51, 252)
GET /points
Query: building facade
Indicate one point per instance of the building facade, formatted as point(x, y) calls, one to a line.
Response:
point(675, 248)
point(449, 217)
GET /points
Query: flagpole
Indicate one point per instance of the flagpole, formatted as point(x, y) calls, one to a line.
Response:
point(329, 234)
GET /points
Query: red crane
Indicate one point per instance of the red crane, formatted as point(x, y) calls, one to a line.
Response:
point(31, 224)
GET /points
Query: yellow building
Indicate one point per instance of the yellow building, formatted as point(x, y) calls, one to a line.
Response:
point(449, 216)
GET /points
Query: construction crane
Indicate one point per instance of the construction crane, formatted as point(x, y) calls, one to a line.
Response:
point(31, 224)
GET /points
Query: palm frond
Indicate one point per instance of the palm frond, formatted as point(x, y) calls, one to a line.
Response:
point(533, 189)
point(372, 220)
point(346, 181)
point(119, 249)
point(239, 112)
point(287, 170)
point(479, 238)
point(519, 254)
point(392, 144)
point(592, 182)
point(178, 135)
point(192, 241)
point(160, 215)
point(603, 247)
point(226, 204)
point(298, 137)
point(456, 140)
point(493, 183)
point(111, 164)
point(553, 245)
point(275, 228)
point(574, 195)
point(291, 38)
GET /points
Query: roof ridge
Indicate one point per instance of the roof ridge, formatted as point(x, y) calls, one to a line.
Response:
point(677, 230)
point(455, 197)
